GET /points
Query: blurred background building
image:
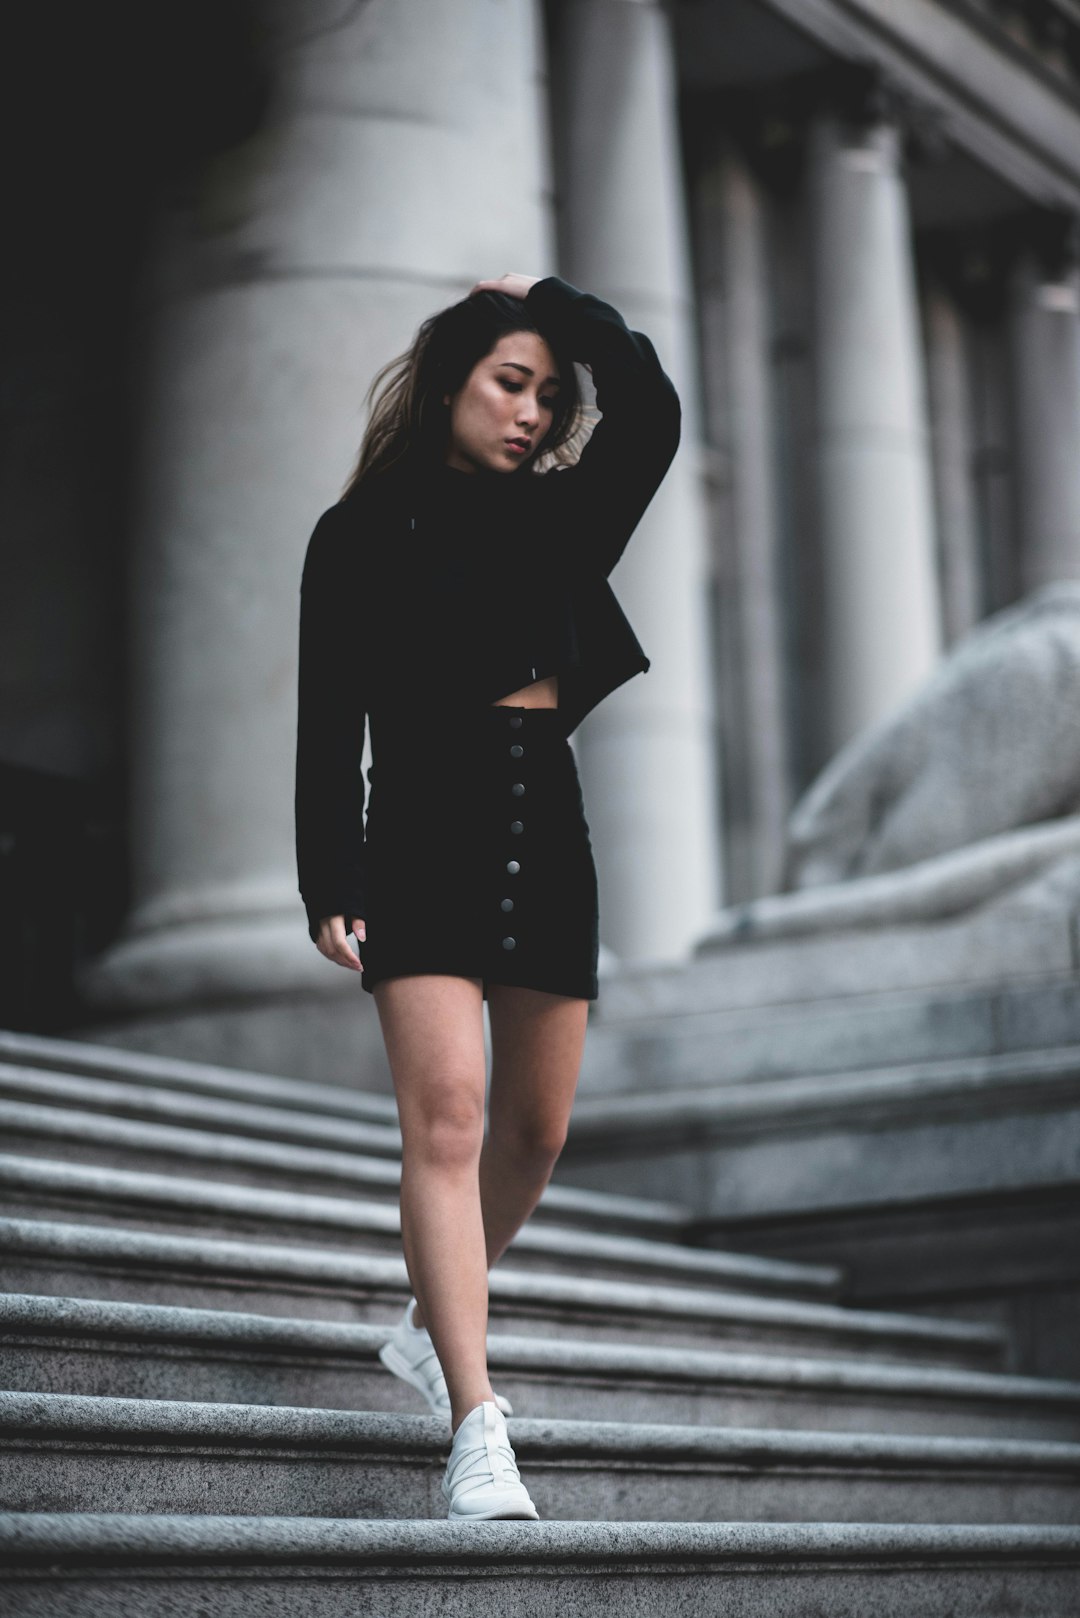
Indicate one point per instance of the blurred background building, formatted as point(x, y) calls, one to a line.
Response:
point(836, 822)
point(851, 232)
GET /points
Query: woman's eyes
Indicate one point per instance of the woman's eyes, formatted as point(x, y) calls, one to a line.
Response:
point(515, 387)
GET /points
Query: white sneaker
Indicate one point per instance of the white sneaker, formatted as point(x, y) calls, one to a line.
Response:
point(411, 1355)
point(482, 1480)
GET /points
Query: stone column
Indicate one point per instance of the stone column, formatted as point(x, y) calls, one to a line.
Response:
point(949, 381)
point(739, 411)
point(374, 194)
point(647, 753)
point(1045, 340)
point(994, 469)
point(882, 627)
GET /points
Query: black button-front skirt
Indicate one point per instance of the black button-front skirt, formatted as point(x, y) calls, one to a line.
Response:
point(479, 859)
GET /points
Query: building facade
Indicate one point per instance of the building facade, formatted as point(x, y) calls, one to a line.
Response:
point(849, 227)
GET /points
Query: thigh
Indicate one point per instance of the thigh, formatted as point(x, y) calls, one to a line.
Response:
point(433, 1029)
point(537, 1042)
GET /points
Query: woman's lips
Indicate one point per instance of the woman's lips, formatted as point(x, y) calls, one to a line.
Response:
point(517, 446)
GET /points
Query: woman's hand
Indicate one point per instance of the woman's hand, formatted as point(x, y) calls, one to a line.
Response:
point(516, 285)
point(331, 940)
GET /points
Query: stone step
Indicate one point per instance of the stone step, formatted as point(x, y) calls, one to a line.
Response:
point(50, 1258)
point(74, 1345)
point(83, 1135)
point(81, 1565)
point(254, 1120)
point(96, 1454)
point(995, 1125)
point(829, 968)
point(142, 1070)
point(40, 1109)
point(944, 1087)
point(869, 1171)
point(741, 1015)
point(38, 1187)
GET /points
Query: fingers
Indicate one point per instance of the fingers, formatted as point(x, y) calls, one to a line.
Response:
point(332, 942)
point(512, 282)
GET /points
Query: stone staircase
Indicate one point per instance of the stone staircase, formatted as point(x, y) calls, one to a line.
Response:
point(200, 1266)
point(848, 1100)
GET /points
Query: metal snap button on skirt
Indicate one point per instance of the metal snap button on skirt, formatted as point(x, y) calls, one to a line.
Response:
point(479, 860)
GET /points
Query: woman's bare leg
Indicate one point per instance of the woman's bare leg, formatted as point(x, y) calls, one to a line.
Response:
point(433, 1029)
point(537, 1042)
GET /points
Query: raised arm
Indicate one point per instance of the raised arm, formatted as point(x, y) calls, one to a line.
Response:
point(598, 503)
point(331, 719)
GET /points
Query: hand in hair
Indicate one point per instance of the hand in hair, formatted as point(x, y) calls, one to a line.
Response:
point(331, 940)
point(516, 285)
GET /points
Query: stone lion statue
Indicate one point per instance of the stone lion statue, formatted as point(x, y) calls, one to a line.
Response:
point(969, 791)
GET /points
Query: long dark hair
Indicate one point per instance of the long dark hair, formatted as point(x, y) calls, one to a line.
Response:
point(408, 419)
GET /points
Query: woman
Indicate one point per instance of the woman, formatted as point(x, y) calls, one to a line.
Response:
point(457, 596)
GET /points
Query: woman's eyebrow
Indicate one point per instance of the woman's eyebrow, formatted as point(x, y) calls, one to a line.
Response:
point(529, 371)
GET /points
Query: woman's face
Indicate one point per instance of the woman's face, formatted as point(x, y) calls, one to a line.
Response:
point(507, 400)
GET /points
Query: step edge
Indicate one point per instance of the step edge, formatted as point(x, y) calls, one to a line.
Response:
point(63, 1418)
point(43, 1537)
point(57, 1239)
point(615, 1359)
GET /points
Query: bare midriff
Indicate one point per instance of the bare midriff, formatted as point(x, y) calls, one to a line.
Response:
point(541, 694)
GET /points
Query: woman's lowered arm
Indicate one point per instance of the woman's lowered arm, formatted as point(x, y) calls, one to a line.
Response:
point(331, 720)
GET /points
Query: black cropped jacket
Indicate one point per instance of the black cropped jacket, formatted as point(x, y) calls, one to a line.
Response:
point(454, 584)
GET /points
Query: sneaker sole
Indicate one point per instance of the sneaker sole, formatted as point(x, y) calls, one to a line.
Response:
point(506, 1514)
point(502, 1508)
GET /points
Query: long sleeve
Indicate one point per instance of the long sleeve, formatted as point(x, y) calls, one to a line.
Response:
point(331, 718)
point(596, 505)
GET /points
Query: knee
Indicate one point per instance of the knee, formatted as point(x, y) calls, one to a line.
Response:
point(447, 1132)
point(534, 1143)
